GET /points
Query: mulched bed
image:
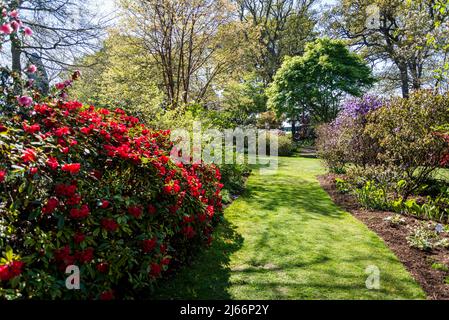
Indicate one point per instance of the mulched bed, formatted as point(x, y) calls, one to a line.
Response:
point(417, 262)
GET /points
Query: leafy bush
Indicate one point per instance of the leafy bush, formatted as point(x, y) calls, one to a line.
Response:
point(371, 196)
point(343, 141)
point(426, 239)
point(234, 177)
point(286, 147)
point(330, 149)
point(94, 188)
point(404, 131)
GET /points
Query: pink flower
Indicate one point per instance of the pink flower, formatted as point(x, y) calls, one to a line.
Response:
point(15, 25)
point(6, 28)
point(14, 14)
point(60, 86)
point(28, 31)
point(32, 69)
point(25, 101)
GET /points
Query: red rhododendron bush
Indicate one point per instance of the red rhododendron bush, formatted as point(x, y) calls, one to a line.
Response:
point(96, 189)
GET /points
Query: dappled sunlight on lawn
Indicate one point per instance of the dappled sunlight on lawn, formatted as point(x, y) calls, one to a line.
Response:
point(286, 239)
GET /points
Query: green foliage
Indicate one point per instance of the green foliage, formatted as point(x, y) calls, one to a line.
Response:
point(424, 238)
point(121, 75)
point(440, 266)
point(372, 196)
point(342, 186)
point(395, 220)
point(404, 131)
point(315, 82)
point(286, 147)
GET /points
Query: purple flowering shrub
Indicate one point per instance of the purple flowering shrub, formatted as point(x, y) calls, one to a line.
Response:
point(344, 140)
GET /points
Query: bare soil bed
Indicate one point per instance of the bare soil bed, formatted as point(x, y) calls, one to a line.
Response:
point(418, 263)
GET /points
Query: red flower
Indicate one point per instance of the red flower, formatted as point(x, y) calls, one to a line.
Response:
point(31, 129)
point(52, 163)
point(149, 245)
point(165, 261)
point(152, 209)
point(3, 128)
point(79, 238)
point(188, 219)
point(176, 188)
point(107, 295)
point(80, 213)
point(63, 131)
point(29, 155)
point(33, 170)
point(210, 211)
point(105, 204)
point(103, 267)
point(11, 270)
point(85, 256)
point(155, 270)
point(51, 205)
point(2, 175)
point(167, 189)
point(73, 168)
point(135, 211)
point(109, 225)
point(74, 200)
point(188, 232)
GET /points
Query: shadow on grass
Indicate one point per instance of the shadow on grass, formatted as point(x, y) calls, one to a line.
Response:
point(207, 277)
point(306, 196)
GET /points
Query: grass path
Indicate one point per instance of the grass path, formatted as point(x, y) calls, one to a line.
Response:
point(286, 239)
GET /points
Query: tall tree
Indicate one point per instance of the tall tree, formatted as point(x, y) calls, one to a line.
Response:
point(314, 84)
point(284, 26)
point(123, 75)
point(62, 31)
point(189, 41)
point(399, 32)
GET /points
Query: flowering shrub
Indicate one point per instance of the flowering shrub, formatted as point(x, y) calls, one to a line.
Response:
point(92, 188)
point(96, 189)
point(344, 140)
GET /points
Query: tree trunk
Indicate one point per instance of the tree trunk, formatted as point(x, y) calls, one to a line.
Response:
point(404, 80)
point(16, 53)
point(293, 129)
point(16, 64)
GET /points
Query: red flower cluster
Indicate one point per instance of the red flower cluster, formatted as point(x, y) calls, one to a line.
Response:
point(89, 155)
point(11, 270)
point(109, 225)
point(80, 213)
point(135, 211)
point(73, 168)
point(51, 206)
point(149, 245)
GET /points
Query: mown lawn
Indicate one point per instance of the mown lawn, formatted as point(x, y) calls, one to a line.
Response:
point(285, 239)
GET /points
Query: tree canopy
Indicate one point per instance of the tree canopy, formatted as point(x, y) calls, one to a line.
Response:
point(313, 85)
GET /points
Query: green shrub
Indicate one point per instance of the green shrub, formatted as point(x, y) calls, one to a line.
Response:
point(426, 238)
point(371, 196)
point(404, 131)
point(286, 147)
